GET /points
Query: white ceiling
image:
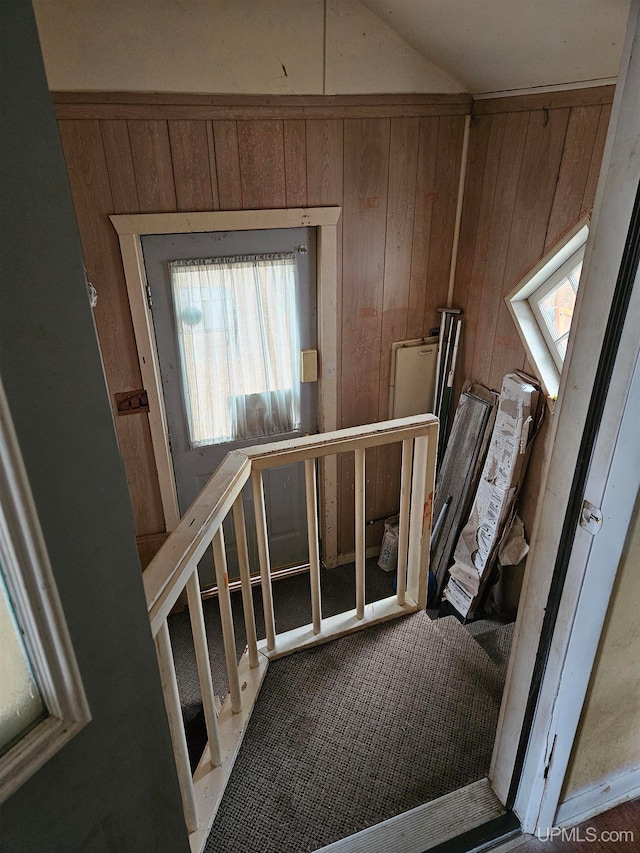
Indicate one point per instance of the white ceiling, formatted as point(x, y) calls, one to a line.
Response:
point(498, 45)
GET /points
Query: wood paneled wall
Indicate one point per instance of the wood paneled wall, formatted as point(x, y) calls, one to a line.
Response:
point(532, 173)
point(392, 164)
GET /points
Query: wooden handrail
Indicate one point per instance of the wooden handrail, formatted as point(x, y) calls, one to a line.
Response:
point(168, 572)
point(340, 441)
point(174, 568)
point(166, 575)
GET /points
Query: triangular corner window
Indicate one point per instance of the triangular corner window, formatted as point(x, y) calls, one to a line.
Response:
point(542, 305)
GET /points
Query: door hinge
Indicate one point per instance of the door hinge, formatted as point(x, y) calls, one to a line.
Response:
point(149, 297)
point(591, 518)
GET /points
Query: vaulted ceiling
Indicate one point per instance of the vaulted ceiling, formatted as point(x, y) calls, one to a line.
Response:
point(496, 45)
point(330, 46)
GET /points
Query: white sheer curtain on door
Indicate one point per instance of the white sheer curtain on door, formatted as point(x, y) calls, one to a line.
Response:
point(238, 339)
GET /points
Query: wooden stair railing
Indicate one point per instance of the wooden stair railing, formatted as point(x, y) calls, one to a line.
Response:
point(175, 569)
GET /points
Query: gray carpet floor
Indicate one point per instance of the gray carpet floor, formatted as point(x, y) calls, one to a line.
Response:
point(497, 644)
point(389, 718)
point(355, 731)
point(292, 605)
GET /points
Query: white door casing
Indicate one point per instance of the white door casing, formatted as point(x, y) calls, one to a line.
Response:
point(131, 228)
point(613, 470)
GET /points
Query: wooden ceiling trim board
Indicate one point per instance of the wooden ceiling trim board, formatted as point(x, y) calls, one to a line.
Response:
point(425, 194)
point(597, 95)
point(182, 112)
point(190, 158)
point(187, 99)
point(596, 160)
point(574, 171)
point(225, 135)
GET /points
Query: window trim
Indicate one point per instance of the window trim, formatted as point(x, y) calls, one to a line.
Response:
point(531, 331)
point(543, 291)
point(38, 611)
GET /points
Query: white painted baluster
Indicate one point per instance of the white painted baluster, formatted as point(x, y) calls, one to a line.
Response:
point(226, 617)
point(360, 484)
point(204, 667)
point(314, 553)
point(424, 461)
point(176, 725)
point(263, 554)
point(403, 532)
point(245, 580)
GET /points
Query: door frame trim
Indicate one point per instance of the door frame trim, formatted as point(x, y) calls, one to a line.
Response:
point(132, 227)
point(531, 757)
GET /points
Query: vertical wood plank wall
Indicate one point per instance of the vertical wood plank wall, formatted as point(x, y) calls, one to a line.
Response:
point(391, 163)
point(532, 173)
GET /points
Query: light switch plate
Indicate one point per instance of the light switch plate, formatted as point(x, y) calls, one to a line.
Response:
point(309, 365)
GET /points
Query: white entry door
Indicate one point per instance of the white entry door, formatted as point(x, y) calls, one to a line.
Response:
point(231, 313)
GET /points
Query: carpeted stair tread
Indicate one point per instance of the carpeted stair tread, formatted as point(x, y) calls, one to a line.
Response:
point(292, 604)
point(357, 730)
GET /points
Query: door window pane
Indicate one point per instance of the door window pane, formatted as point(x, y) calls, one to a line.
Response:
point(237, 326)
point(21, 705)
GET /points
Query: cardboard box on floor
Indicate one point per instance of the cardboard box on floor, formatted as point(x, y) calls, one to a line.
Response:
point(493, 506)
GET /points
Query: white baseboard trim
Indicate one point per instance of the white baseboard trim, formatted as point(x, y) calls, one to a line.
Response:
point(598, 798)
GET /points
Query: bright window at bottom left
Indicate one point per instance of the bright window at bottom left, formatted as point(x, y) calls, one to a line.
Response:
point(21, 705)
